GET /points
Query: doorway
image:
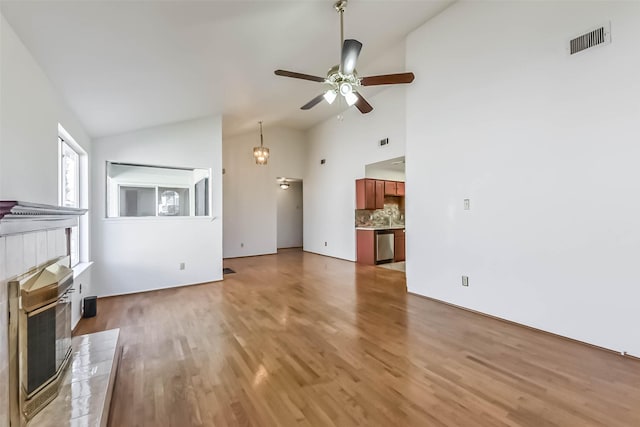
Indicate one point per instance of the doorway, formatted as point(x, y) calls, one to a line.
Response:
point(393, 171)
point(289, 213)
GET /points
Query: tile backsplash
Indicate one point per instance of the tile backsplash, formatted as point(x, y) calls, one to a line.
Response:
point(391, 215)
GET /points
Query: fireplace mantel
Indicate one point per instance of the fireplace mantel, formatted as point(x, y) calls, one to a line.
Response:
point(22, 217)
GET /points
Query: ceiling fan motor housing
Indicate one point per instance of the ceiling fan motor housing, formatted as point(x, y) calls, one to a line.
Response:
point(336, 79)
point(340, 5)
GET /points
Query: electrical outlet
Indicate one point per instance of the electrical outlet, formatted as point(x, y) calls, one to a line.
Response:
point(323, 161)
point(182, 266)
point(80, 288)
point(384, 142)
point(467, 204)
point(465, 280)
point(325, 243)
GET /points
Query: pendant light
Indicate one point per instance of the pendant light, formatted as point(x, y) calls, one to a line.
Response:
point(261, 153)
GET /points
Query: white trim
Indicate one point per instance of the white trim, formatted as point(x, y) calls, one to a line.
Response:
point(81, 268)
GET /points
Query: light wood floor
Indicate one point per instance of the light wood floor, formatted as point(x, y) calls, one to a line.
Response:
point(298, 339)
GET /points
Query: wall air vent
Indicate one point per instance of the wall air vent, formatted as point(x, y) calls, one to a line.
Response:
point(601, 35)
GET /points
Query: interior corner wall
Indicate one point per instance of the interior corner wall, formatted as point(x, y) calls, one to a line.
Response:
point(347, 146)
point(30, 111)
point(141, 254)
point(250, 190)
point(545, 144)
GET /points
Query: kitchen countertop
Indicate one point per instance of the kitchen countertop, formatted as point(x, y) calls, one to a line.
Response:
point(382, 227)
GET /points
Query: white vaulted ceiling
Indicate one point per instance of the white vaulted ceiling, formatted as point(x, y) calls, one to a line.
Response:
point(126, 65)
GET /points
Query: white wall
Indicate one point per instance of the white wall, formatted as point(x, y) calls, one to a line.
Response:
point(386, 174)
point(141, 254)
point(347, 146)
point(289, 206)
point(546, 147)
point(250, 190)
point(30, 111)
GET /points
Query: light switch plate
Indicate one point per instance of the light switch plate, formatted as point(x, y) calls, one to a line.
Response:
point(465, 280)
point(467, 204)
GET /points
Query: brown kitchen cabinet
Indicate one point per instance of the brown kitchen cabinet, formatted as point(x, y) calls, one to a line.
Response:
point(390, 188)
point(366, 194)
point(370, 193)
point(398, 244)
point(380, 194)
point(366, 245)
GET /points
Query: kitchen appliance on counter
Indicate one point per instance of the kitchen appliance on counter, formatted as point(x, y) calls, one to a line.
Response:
point(384, 246)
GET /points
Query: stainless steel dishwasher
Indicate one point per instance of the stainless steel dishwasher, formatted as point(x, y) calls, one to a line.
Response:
point(384, 246)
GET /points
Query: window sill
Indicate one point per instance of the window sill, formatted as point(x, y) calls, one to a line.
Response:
point(80, 268)
point(160, 218)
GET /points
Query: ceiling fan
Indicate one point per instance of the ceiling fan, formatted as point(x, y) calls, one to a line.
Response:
point(343, 79)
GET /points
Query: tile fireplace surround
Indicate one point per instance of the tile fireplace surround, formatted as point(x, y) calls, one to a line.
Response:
point(30, 235)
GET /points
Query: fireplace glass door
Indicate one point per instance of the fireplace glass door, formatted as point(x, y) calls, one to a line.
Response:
point(41, 348)
point(48, 341)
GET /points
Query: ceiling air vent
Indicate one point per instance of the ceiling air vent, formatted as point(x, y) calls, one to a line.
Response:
point(601, 35)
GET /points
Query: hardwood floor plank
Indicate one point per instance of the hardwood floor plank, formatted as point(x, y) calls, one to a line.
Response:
point(298, 339)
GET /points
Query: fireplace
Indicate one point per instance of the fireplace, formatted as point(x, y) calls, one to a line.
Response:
point(35, 306)
point(42, 339)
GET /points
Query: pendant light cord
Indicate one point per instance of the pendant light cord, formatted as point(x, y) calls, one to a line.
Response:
point(261, 139)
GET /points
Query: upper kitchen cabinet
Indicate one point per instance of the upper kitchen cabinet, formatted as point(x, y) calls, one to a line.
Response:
point(380, 194)
point(370, 193)
point(393, 188)
point(390, 188)
point(366, 194)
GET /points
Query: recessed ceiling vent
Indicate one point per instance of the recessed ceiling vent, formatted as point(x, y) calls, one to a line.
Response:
point(601, 35)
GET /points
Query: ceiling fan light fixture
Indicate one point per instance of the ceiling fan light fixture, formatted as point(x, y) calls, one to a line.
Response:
point(345, 88)
point(330, 96)
point(351, 98)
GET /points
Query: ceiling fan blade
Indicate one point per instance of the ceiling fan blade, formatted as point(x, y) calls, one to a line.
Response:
point(362, 104)
point(285, 73)
point(309, 105)
point(350, 52)
point(387, 79)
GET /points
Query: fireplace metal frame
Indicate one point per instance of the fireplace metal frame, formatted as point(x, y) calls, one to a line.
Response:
point(24, 404)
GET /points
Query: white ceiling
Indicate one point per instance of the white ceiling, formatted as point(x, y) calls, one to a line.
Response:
point(126, 65)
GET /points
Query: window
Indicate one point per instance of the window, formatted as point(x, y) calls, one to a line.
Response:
point(144, 191)
point(70, 185)
point(70, 176)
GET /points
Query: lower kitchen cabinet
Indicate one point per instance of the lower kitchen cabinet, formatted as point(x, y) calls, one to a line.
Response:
point(366, 246)
point(398, 239)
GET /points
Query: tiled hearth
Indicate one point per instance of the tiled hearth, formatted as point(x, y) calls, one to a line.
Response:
point(85, 397)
